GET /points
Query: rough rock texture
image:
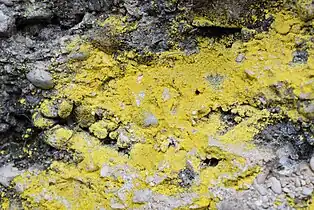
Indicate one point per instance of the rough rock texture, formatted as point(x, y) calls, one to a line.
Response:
point(39, 40)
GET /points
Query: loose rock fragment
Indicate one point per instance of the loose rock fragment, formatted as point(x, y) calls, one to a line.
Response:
point(307, 191)
point(40, 78)
point(142, 196)
point(300, 56)
point(240, 58)
point(275, 185)
point(49, 109)
point(65, 109)
point(312, 163)
point(4, 127)
point(7, 24)
point(7, 174)
point(58, 136)
point(99, 129)
point(42, 122)
point(150, 120)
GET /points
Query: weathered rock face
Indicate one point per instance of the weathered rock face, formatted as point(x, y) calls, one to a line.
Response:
point(34, 59)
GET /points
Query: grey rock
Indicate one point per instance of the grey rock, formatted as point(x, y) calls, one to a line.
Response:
point(142, 196)
point(105, 171)
point(240, 58)
point(286, 190)
point(4, 127)
point(260, 189)
point(8, 3)
point(275, 185)
point(7, 174)
point(78, 56)
point(150, 120)
point(307, 191)
point(312, 163)
point(297, 182)
point(40, 78)
point(300, 57)
point(38, 12)
point(7, 24)
point(260, 179)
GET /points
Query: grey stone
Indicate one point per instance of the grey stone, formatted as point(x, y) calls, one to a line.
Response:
point(40, 78)
point(275, 185)
point(240, 58)
point(142, 196)
point(312, 163)
point(105, 171)
point(7, 24)
point(38, 12)
point(307, 191)
point(297, 182)
point(4, 127)
point(78, 56)
point(260, 189)
point(7, 174)
point(150, 120)
point(8, 3)
point(260, 179)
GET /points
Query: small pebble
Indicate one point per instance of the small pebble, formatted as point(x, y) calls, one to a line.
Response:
point(240, 58)
point(275, 185)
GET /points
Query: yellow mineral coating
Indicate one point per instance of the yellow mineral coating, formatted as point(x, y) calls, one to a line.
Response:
point(185, 94)
point(65, 109)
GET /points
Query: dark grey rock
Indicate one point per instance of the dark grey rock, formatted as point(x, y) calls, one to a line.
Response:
point(4, 127)
point(8, 3)
point(300, 56)
point(186, 177)
point(40, 78)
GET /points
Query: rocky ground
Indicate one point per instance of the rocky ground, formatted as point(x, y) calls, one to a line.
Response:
point(156, 104)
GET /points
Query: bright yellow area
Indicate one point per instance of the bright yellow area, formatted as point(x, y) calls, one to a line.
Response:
point(185, 94)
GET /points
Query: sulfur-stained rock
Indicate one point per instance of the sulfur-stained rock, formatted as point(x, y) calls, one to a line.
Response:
point(49, 109)
point(99, 129)
point(65, 109)
point(84, 116)
point(58, 136)
point(40, 121)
